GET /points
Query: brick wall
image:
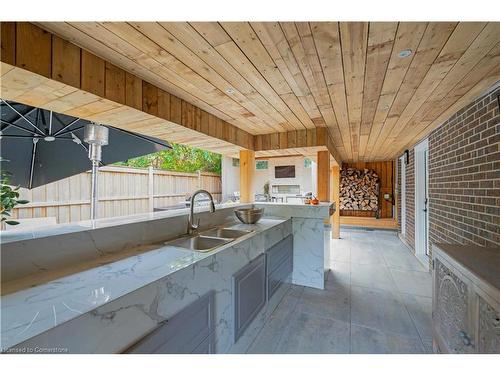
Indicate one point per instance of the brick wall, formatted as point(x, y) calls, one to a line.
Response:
point(464, 177)
point(398, 192)
point(410, 200)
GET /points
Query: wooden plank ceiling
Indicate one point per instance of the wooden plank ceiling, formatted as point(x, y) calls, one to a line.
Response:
point(268, 77)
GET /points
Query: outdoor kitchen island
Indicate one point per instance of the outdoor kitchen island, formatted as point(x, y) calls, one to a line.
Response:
point(311, 239)
point(121, 288)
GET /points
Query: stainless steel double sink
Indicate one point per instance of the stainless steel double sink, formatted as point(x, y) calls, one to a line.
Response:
point(208, 240)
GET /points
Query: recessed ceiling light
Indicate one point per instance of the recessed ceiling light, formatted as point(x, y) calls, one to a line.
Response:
point(229, 90)
point(405, 53)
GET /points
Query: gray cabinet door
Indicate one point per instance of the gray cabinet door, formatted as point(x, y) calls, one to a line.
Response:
point(189, 331)
point(279, 264)
point(278, 253)
point(249, 293)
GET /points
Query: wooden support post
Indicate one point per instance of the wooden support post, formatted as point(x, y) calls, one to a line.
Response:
point(247, 166)
point(323, 176)
point(335, 197)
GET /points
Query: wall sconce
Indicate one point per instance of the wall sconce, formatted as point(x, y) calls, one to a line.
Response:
point(407, 157)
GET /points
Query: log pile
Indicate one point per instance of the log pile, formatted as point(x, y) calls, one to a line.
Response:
point(359, 189)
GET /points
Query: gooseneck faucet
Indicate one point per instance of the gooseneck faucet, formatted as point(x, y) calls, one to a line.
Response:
point(191, 225)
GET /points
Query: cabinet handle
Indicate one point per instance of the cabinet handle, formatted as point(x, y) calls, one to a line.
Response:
point(465, 338)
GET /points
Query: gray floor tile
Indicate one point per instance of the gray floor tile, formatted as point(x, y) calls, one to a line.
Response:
point(401, 259)
point(370, 275)
point(420, 309)
point(366, 340)
point(376, 300)
point(268, 338)
point(333, 302)
point(309, 334)
point(382, 310)
point(365, 253)
point(340, 250)
point(340, 272)
point(413, 282)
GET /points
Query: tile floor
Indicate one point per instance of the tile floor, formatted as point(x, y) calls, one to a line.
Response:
point(377, 300)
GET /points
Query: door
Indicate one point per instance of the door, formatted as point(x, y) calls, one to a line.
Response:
point(403, 195)
point(421, 199)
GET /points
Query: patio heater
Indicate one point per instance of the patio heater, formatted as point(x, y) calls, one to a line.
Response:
point(96, 135)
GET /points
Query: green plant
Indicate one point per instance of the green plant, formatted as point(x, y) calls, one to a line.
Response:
point(9, 197)
point(266, 189)
point(181, 159)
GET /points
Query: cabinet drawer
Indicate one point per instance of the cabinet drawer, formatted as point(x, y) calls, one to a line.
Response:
point(278, 253)
point(279, 276)
point(249, 292)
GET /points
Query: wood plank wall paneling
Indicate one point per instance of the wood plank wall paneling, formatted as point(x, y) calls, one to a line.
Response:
point(8, 42)
point(164, 105)
point(115, 83)
point(385, 171)
point(150, 98)
point(133, 91)
point(33, 49)
point(93, 74)
point(66, 59)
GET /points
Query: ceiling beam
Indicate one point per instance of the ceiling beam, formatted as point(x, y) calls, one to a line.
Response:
point(310, 138)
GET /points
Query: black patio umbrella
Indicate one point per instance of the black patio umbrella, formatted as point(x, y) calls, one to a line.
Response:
point(42, 146)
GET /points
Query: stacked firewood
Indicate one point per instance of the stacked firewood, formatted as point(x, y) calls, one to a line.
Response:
point(359, 189)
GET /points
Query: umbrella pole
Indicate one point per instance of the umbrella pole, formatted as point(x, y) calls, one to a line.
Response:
point(96, 136)
point(95, 191)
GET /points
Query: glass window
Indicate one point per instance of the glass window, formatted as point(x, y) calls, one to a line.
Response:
point(236, 162)
point(261, 164)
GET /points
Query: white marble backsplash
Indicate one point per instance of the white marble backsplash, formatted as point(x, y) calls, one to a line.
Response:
point(59, 248)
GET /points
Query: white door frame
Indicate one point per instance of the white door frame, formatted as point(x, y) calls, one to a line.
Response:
point(421, 199)
point(402, 219)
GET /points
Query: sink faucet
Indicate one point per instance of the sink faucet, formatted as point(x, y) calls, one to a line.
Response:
point(191, 225)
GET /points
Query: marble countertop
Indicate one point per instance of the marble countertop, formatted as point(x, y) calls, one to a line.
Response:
point(85, 225)
point(29, 312)
point(323, 210)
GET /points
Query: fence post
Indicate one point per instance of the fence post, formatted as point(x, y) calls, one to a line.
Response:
point(199, 179)
point(151, 188)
